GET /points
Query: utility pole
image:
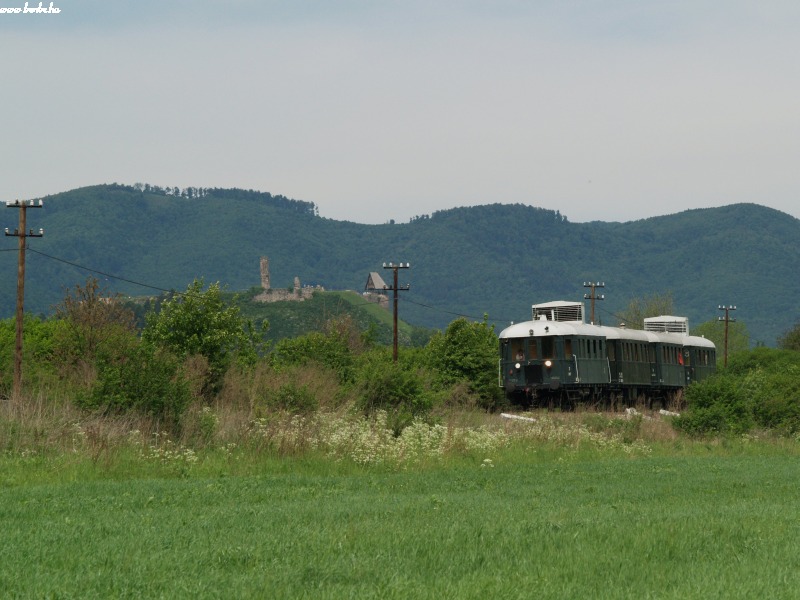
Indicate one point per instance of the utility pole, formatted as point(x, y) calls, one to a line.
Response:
point(593, 296)
point(727, 320)
point(21, 234)
point(395, 288)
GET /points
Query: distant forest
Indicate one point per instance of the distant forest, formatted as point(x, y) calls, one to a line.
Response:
point(493, 259)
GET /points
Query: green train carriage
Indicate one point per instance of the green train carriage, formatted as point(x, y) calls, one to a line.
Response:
point(556, 358)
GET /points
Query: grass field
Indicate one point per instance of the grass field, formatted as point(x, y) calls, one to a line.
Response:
point(715, 520)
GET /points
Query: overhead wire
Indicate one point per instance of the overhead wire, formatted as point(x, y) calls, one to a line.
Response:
point(111, 275)
point(172, 291)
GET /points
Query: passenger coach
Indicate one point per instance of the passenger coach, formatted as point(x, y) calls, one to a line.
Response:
point(558, 359)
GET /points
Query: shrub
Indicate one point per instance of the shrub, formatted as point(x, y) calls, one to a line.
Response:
point(143, 378)
point(331, 349)
point(716, 405)
point(777, 401)
point(38, 343)
point(467, 352)
point(760, 388)
point(199, 322)
point(384, 385)
point(294, 398)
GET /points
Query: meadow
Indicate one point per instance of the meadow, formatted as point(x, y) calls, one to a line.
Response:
point(591, 505)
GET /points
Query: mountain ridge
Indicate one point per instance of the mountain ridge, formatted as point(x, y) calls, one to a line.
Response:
point(494, 259)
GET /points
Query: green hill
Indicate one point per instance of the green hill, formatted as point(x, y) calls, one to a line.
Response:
point(495, 259)
point(292, 319)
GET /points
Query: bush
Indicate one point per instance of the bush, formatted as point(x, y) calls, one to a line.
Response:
point(199, 322)
point(294, 398)
point(331, 350)
point(467, 352)
point(760, 388)
point(37, 346)
point(143, 378)
point(716, 405)
point(385, 385)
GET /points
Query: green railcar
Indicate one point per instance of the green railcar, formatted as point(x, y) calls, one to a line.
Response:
point(557, 358)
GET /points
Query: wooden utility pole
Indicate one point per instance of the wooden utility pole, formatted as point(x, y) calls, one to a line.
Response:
point(396, 289)
point(593, 296)
point(727, 320)
point(21, 234)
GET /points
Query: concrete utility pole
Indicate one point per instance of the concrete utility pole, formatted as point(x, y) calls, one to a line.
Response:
point(593, 296)
point(395, 288)
point(21, 234)
point(727, 320)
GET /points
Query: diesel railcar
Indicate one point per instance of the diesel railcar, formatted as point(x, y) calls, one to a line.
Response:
point(557, 359)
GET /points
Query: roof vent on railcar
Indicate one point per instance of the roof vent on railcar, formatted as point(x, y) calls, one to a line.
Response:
point(667, 324)
point(565, 312)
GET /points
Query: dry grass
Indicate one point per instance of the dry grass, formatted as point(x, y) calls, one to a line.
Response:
point(245, 415)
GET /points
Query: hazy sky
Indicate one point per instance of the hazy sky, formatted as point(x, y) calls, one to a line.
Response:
point(605, 110)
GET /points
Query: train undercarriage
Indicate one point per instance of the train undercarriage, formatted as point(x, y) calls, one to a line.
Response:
point(598, 397)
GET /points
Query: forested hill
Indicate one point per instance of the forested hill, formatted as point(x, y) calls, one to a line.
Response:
point(494, 259)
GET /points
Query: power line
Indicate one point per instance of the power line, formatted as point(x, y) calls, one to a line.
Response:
point(172, 291)
point(457, 314)
point(73, 264)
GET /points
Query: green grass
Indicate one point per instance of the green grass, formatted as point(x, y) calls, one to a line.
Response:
point(712, 523)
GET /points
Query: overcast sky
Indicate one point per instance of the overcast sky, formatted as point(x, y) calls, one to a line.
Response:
point(605, 110)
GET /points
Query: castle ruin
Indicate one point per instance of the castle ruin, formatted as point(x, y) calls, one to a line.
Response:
point(296, 294)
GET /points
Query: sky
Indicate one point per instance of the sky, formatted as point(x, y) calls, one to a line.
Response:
point(385, 110)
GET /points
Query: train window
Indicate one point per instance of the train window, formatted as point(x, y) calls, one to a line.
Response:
point(518, 350)
point(612, 352)
point(547, 347)
point(651, 351)
point(532, 353)
point(567, 347)
point(594, 348)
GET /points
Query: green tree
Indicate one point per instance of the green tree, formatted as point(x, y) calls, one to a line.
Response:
point(790, 340)
point(92, 320)
point(639, 309)
point(467, 352)
point(199, 322)
point(738, 336)
point(334, 347)
point(37, 347)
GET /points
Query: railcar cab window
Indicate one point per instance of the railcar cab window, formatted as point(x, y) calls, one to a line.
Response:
point(567, 347)
point(547, 347)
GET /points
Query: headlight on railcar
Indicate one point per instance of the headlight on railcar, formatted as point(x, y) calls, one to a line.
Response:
point(548, 363)
point(517, 365)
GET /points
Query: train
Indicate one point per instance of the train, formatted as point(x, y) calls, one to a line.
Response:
point(558, 360)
